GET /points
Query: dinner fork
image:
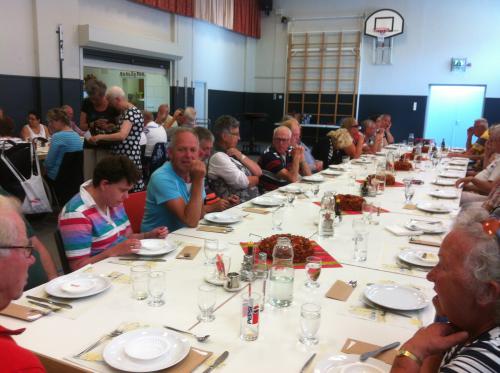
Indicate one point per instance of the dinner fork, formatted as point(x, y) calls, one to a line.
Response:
point(114, 333)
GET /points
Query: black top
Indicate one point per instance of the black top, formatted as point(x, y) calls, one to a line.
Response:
point(326, 151)
point(110, 114)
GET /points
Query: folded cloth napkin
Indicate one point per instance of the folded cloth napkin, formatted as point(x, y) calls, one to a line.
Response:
point(256, 210)
point(397, 230)
point(213, 229)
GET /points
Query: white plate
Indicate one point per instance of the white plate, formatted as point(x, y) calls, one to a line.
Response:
point(147, 347)
point(55, 287)
point(419, 256)
point(361, 161)
point(177, 348)
point(291, 189)
point(435, 207)
point(78, 285)
point(314, 178)
point(337, 167)
point(451, 175)
point(156, 247)
point(268, 201)
point(455, 168)
point(223, 217)
point(458, 163)
point(348, 363)
point(332, 172)
point(426, 227)
point(444, 182)
point(396, 297)
point(444, 193)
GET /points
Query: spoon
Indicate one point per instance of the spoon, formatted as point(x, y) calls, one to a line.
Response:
point(198, 338)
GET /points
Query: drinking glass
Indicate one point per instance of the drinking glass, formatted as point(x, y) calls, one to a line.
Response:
point(206, 302)
point(315, 190)
point(222, 265)
point(380, 180)
point(139, 276)
point(313, 270)
point(368, 209)
point(249, 324)
point(310, 316)
point(278, 215)
point(290, 197)
point(210, 248)
point(360, 240)
point(156, 287)
point(409, 190)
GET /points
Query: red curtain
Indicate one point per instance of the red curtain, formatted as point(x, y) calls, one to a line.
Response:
point(247, 17)
point(181, 7)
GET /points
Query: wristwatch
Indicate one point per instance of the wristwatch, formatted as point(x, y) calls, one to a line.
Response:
point(409, 354)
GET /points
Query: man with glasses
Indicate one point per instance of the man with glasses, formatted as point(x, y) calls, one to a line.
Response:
point(282, 164)
point(15, 259)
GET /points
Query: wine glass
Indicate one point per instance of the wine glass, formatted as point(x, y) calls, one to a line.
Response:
point(156, 288)
point(313, 270)
point(206, 302)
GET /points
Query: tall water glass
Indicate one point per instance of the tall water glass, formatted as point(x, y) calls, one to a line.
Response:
point(156, 287)
point(206, 302)
point(368, 209)
point(277, 217)
point(310, 317)
point(409, 190)
point(210, 249)
point(139, 277)
point(360, 240)
point(250, 314)
point(290, 197)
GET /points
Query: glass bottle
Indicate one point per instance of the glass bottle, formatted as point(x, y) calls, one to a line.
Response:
point(326, 222)
point(282, 274)
point(260, 275)
point(411, 139)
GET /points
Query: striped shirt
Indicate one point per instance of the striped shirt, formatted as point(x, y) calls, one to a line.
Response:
point(86, 230)
point(271, 164)
point(480, 356)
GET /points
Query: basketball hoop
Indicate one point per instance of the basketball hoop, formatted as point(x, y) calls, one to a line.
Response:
point(383, 25)
point(380, 31)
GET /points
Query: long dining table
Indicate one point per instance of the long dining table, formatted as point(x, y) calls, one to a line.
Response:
point(60, 335)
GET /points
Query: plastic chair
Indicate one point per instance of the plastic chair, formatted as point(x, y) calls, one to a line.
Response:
point(62, 253)
point(134, 207)
point(69, 178)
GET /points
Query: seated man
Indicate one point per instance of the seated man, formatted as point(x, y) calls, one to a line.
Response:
point(154, 133)
point(15, 259)
point(213, 202)
point(374, 137)
point(163, 115)
point(467, 284)
point(475, 151)
point(386, 124)
point(282, 164)
point(175, 191)
point(230, 172)
point(93, 224)
point(294, 126)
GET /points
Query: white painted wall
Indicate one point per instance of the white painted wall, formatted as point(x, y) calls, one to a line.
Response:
point(435, 31)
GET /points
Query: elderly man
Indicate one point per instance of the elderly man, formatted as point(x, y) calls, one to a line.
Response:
point(93, 224)
point(175, 191)
point(467, 283)
point(475, 151)
point(282, 164)
point(374, 137)
point(385, 125)
point(15, 259)
point(163, 116)
point(294, 126)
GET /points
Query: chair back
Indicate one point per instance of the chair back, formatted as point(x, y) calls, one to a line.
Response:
point(158, 156)
point(70, 177)
point(134, 207)
point(62, 253)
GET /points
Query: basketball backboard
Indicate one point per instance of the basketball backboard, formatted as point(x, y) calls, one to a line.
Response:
point(384, 23)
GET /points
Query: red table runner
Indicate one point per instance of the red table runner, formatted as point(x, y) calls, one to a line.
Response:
point(396, 184)
point(347, 212)
point(327, 261)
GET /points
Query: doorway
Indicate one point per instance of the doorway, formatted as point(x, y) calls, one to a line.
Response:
point(451, 109)
point(200, 97)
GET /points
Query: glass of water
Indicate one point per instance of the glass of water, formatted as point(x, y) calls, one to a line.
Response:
point(210, 249)
point(206, 302)
point(409, 190)
point(360, 240)
point(310, 316)
point(278, 216)
point(156, 288)
point(368, 209)
point(313, 270)
point(290, 197)
point(315, 190)
point(139, 277)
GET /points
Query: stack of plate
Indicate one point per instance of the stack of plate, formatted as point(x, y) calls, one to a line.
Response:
point(146, 350)
point(77, 285)
point(224, 217)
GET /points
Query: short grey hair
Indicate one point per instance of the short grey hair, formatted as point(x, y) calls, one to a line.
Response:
point(224, 124)
point(115, 92)
point(203, 134)
point(177, 132)
point(482, 121)
point(9, 227)
point(484, 258)
point(280, 128)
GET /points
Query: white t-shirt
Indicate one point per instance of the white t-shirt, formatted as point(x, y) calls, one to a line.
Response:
point(221, 165)
point(155, 133)
point(492, 172)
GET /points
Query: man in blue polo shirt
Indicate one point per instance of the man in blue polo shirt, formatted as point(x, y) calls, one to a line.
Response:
point(175, 191)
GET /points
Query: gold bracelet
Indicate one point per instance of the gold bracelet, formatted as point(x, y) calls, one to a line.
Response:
point(409, 354)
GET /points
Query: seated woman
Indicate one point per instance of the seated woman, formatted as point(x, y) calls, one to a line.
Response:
point(230, 172)
point(346, 141)
point(64, 140)
point(93, 224)
point(34, 128)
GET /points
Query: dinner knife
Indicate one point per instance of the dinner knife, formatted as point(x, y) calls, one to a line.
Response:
point(143, 259)
point(307, 363)
point(217, 362)
point(49, 301)
point(43, 305)
point(378, 351)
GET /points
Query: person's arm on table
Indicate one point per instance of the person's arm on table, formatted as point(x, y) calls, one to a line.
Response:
point(190, 213)
point(291, 175)
point(481, 186)
point(158, 232)
point(388, 135)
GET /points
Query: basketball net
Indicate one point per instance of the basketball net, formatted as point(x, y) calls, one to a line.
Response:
point(381, 35)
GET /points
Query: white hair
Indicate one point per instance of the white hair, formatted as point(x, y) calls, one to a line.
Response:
point(179, 130)
point(483, 122)
point(10, 233)
point(115, 92)
point(484, 258)
point(282, 128)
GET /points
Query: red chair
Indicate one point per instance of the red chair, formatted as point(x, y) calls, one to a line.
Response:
point(135, 205)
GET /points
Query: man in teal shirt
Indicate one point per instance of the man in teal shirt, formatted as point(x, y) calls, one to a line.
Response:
point(176, 190)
